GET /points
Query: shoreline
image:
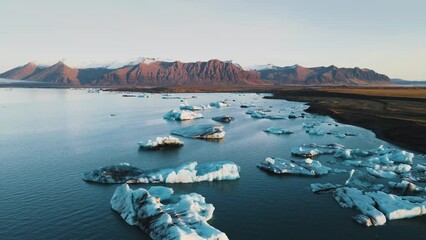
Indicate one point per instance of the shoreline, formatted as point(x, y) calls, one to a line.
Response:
point(393, 116)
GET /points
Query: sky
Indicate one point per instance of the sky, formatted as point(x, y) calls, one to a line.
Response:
point(388, 36)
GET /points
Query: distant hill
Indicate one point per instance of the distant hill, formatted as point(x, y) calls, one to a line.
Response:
point(407, 82)
point(319, 76)
point(152, 72)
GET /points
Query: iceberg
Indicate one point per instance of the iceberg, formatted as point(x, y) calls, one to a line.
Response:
point(162, 215)
point(346, 153)
point(223, 118)
point(186, 106)
point(354, 198)
point(380, 173)
point(406, 187)
point(310, 150)
point(161, 143)
point(263, 114)
point(219, 104)
point(299, 167)
point(186, 173)
point(394, 207)
point(182, 115)
point(277, 130)
point(207, 131)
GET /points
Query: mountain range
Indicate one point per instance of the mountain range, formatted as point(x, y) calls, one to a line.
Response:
point(151, 72)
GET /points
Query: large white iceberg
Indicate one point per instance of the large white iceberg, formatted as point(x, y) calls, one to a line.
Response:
point(185, 173)
point(299, 167)
point(165, 216)
point(161, 142)
point(207, 131)
point(182, 115)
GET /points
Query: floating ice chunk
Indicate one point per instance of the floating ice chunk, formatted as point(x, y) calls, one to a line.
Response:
point(223, 118)
point(161, 142)
point(406, 187)
point(219, 104)
point(360, 180)
point(299, 167)
point(182, 115)
point(420, 168)
point(208, 131)
point(381, 173)
point(310, 125)
point(392, 155)
point(310, 150)
point(321, 188)
point(190, 107)
point(346, 153)
point(184, 218)
point(400, 168)
point(206, 107)
point(264, 113)
point(352, 197)
point(395, 207)
point(356, 163)
point(185, 173)
point(315, 131)
point(277, 130)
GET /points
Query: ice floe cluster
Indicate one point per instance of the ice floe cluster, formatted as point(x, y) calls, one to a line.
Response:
point(163, 215)
point(161, 143)
point(206, 131)
point(264, 113)
point(298, 167)
point(185, 173)
point(182, 115)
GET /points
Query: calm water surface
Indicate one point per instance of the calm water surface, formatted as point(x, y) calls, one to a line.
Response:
point(49, 137)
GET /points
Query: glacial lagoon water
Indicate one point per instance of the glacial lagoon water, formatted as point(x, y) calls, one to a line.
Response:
point(50, 137)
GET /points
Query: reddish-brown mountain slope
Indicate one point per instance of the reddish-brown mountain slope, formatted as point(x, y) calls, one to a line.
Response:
point(211, 73)
point(58, 73)
point(332, 75)
point(22, 72)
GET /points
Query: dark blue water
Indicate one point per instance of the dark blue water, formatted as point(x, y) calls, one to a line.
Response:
point(49, 137)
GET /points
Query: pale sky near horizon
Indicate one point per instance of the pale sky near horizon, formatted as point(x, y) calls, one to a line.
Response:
point(388, 36)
